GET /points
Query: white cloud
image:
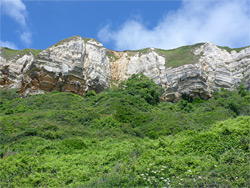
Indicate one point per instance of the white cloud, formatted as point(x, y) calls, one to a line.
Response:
point(224, 23)
point(16, 9)
point(26, 37)
point(8, 44)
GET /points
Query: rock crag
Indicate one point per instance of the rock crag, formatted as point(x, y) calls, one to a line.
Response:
point(79, 65)
point(12, 70)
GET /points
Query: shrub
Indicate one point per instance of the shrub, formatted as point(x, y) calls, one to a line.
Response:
point(30, 132)
point(90, 93)
point(8, 94)
point(9, 111)
point(184, 105)
point(74, 143)
point(111, 139)
point(142, 86)
point(106, 122)
point(242, 91)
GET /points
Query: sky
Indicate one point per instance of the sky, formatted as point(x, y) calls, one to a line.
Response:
point(125, 24)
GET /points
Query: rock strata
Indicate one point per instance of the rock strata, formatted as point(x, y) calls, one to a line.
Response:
point(78, 65)
point(73, 65)
point(12, 71)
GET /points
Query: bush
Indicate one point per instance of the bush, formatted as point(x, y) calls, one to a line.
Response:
point(9, 111)
point(119, 139)
point(90, 93)
point(74, 143)
point(8, 94)
point(142, 86)
point(184, 105)
point(30, 132)
point(106, 122)
point(242, 91)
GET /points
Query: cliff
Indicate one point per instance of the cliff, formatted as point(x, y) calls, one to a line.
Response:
point(78, 65)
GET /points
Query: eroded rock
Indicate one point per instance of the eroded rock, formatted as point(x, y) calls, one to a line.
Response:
point(78, 65)
point(12, 70)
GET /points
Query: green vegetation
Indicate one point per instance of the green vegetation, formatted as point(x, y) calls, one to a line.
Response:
point(87, 39)
point(183, 55)
point(143, 51)
point(232, 49)
point(66, 40)
point(70, 38)
point(10, 53)
point(180, 56)
point(124, 137)
point(112, 57)
point(175, 57)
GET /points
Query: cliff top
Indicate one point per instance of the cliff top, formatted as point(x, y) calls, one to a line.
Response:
point(174, 57)
point(9, 54)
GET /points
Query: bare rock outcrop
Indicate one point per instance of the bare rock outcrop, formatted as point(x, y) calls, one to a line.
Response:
point(74, 65)
point(13, 69)
point(214, 68)
point(78, 65)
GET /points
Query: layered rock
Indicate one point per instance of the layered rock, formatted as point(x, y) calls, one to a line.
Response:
point(223, 69)
point(78, 65)
point(12, 70)
point(74, 65)
point(214, 69)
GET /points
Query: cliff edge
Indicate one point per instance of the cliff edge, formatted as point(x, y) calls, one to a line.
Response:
point(78, 65)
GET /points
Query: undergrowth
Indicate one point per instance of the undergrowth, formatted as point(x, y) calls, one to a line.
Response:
point(124, 137)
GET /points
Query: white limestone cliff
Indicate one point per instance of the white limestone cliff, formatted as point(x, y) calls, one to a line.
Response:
point(12, 71)
point(72, 65)
point(78, 65)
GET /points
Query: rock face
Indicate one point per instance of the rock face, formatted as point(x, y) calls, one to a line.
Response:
point(72, 65)
point(12, 71)
point(78, 65)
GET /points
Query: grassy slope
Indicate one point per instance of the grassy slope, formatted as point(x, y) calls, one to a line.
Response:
point(180, 56)
point(175, 57)
point(10, 53)
point(70, 38)
point(117, 140)
point(232, 49)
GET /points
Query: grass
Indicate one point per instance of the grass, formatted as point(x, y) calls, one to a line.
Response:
point(11, 53)
point(111, 56)
point(142, 51)
point(70, 38)
point(118, 139)
point(180, 56)
point(66, 40)
point(87, 39)
point(175, 57)
point(232, 49)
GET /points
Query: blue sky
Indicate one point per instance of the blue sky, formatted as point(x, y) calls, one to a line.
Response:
point(122, 25)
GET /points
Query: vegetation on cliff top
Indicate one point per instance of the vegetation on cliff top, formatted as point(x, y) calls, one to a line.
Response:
point(180, 56)
point(124, 137)
point(73, 37)
point(174, 57)
point(232, 49)
point(11, 53)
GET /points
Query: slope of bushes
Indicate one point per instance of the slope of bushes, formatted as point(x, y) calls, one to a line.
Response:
point(124, 137)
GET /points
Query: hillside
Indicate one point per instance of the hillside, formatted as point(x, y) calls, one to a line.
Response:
point(79, 65)
point(124, 137)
